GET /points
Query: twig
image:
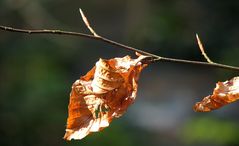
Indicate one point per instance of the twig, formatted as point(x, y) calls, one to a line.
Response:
point(155, 58)
point(84, 18)
point(203, 50)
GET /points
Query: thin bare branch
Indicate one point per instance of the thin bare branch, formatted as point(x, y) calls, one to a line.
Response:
point(84, 18)
point(155, 58)
point(203, 50)
point(60, 32)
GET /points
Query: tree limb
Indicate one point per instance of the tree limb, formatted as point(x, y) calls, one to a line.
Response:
point(155, 58)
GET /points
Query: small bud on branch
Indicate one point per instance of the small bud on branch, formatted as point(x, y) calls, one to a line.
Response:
point(84, 18)
point(202, 49)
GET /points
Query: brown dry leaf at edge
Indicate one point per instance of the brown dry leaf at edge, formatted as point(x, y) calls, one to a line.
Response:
point(104, 93)
point(224, 93)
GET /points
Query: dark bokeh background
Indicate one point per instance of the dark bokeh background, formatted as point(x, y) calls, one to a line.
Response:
point(37, 71)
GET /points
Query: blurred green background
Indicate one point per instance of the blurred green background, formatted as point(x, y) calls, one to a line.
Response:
point(37, 71)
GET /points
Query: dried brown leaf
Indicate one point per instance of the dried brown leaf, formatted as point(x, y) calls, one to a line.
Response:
point(104, 93)
point(224, 93)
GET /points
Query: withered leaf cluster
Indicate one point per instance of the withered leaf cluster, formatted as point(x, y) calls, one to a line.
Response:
point(104, 93)
point(107, 90)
